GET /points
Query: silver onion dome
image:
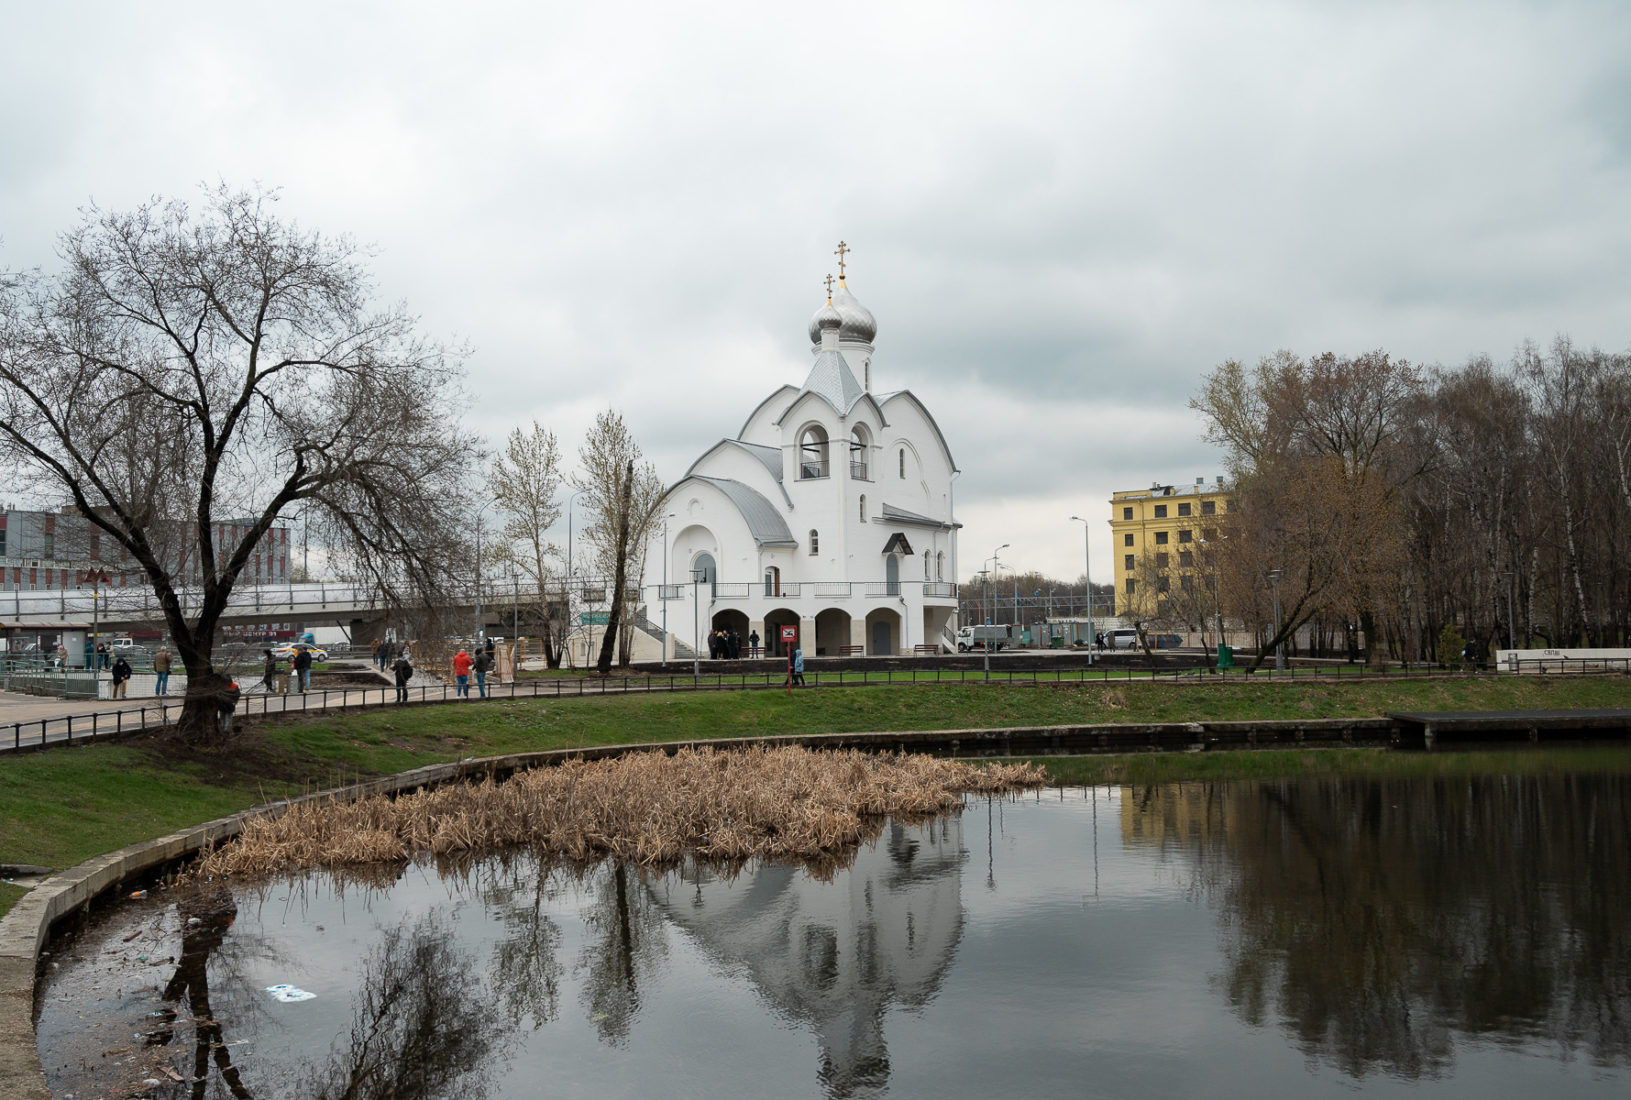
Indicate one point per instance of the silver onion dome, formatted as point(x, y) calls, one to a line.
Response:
point(859, 323)
point(855, 320)
point(825, 317)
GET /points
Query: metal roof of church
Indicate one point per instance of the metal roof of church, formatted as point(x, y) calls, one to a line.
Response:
point(765, 523)
point(831, 378)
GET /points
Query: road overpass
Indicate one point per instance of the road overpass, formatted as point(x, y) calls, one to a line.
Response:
point(117, 609)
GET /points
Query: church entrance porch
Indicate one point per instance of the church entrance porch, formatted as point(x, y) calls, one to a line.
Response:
point(882, 633)
point(731, 620)
point(772, 640)
point(937, 627)
point(831, 632)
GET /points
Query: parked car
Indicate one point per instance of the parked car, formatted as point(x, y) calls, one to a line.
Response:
point(1121, 638)
point(287, 652)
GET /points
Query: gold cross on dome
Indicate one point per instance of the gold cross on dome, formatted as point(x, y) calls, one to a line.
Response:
point(839, 252)
point(828, 281)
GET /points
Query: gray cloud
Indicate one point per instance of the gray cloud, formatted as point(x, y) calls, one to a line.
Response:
point(1063, 214)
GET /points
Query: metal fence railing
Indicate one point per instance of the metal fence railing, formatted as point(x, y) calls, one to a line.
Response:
point(66, 729)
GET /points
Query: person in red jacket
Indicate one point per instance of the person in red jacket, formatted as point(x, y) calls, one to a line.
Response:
point(461, 673)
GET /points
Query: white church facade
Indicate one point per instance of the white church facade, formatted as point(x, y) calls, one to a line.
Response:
point(830, 512)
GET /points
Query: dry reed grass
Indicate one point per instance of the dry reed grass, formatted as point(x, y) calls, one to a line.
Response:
point(650, 809)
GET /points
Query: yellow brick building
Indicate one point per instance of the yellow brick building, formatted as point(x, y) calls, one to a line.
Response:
point(1155, 536)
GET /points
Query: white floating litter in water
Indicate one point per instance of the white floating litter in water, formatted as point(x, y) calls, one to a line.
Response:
point(287, 993)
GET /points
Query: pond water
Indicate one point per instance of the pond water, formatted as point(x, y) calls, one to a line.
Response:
point(1283, 939)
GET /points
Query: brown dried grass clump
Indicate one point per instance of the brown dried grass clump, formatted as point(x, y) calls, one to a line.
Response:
point(646, 808)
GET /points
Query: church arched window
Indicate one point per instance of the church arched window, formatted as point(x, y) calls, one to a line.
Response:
point(815, 543)
point(863, 507)
point(812, 452)
point(940, 566)
point(860, 450)
point(926, 574)
point(903, 463)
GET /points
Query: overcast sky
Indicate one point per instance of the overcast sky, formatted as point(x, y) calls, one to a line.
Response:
point(1062, 215)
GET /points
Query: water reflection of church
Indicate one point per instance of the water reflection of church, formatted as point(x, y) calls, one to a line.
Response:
point(838, 955)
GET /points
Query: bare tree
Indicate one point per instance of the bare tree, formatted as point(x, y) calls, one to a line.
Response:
point(524, 482)
point(622, 494)
point(194, 366)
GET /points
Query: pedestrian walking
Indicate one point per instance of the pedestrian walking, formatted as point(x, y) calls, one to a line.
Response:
point(269, 671)
point(101, 655)
point(798, 668)
point(161, 671)
point(484, 665)
point(382, 653)
point(461, 673)
point(121, 676)
point(302, 668)
point(403, 668)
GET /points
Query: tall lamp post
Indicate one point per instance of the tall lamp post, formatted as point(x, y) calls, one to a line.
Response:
point(662, 594)
point(1279, 646)
point(985, 575)
point(696, 620)
point(480, 618)
point(1087, 574)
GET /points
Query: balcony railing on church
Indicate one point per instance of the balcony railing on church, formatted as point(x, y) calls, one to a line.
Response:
point(820, 590)
point(858, 471)
point(809, 470)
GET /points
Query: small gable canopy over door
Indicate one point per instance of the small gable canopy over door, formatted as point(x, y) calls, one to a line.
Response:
point(897, 544)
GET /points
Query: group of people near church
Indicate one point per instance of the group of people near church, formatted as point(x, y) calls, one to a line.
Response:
point(726, 645)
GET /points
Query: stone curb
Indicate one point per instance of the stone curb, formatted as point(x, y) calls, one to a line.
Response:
point(24, 929)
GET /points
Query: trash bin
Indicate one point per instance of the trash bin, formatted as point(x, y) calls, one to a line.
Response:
point(1226, 657)
point(280, 683)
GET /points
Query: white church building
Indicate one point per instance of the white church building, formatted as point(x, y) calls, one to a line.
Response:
point(829, 512)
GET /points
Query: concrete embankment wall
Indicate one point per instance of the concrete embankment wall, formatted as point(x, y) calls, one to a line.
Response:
point(27, 926)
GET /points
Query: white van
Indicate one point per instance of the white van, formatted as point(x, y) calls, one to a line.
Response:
point(1121, 638)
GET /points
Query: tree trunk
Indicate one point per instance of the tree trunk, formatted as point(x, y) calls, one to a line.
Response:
point(608, 641)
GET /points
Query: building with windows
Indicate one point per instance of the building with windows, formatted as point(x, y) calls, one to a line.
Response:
point(830, 512)
point(58, 550)
point(1158, 535)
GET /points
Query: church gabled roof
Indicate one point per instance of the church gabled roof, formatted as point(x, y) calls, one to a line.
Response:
point(831, 379)
point(765, 523)
point(769, 457)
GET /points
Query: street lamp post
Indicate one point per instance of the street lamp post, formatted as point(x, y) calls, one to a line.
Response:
point(662, 594)
point(1087, 574)
point(1279, 646)
point(696, 619)
point(480, 618)
point(985, 646)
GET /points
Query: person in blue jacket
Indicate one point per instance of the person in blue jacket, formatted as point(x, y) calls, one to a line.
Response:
point(798, 668)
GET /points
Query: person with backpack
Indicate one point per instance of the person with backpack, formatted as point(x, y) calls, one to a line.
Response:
point(483, 665)
point(403, 669)
point(302, 668)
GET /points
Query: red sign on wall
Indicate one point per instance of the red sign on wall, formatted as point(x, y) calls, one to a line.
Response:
point(790, 633)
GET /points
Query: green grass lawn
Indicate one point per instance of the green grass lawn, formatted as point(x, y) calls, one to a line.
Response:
point(65, 805)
